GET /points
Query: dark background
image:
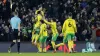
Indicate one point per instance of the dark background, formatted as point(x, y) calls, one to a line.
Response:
point(85, 12)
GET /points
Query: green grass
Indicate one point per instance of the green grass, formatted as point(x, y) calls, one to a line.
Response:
point(50, 54)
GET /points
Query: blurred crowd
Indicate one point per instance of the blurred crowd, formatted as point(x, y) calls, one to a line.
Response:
point(85, 12)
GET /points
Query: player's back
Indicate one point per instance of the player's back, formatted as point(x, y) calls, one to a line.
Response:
point(54, 28)
point(37, 25)
point(39, 17)
point(69, 23)
point(43, 29)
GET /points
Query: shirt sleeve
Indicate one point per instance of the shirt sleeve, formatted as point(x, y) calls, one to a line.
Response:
point(19, 21)
point(42, 13)
point(47, 22)
point(74, 25)
point(64, 25)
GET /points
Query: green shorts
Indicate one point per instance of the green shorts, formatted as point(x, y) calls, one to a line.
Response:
point(37, 31)
point(69, 36)
point(43, 39)
point(54, 37)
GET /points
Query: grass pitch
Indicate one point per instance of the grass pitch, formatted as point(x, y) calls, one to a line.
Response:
point(50, 54)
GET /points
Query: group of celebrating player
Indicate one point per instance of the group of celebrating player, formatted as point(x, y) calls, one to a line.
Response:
point(40, 33)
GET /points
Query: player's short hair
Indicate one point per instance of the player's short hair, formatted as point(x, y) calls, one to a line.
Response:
point(69, 14)
point(39, 12)
point(15, 13)
point(42, 21)
point(54, 19)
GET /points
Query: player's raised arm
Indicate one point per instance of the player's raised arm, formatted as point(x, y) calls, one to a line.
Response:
point(42, 13)
point(63, 28)
point(46, 21)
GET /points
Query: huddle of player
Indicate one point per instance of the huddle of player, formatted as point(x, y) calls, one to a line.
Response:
point(40, 33)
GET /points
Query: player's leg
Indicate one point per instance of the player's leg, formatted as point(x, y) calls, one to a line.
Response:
point(38, 45)
point(70, 38)
point(18, 41)
point(69, 46)
point(36, 38)
point(37, 42)
point(64, 41)
point(53, 43)
point(33, 39)
point(41, 41)
point(13, 42)
point(93, 46)
point(61, 44)
point(69, 42)
point(18, 45)
point(54, 38)
point(72, 45)
point(72, 42)
point(44, 41)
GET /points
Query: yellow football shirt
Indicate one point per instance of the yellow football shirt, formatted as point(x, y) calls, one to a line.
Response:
point(38, 11)
point(69, 26)
point(43, 30)
point(53, 27)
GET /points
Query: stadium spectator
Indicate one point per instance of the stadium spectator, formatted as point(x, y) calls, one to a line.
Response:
point(85, 12)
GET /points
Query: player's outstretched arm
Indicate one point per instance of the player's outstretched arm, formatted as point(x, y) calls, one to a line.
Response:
point(46, 21)
point(63, 28)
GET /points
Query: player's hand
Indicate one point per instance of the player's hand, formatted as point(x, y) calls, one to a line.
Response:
point(18, 33)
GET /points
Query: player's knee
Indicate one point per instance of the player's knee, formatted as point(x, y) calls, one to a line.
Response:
point(14, 41)
point(18, 40)
point(35, 41)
